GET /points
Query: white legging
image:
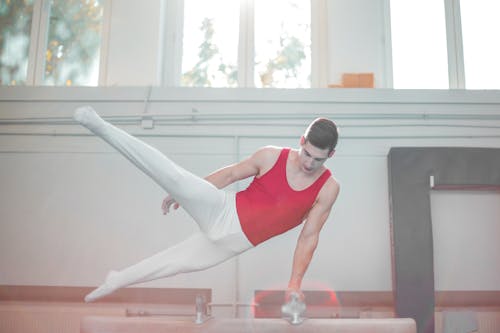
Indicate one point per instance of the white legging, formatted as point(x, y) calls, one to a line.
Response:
point(214, 210)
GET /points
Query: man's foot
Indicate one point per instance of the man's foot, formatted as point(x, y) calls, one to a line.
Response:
point(108, 287)
point(87, 116)
point(102, 291)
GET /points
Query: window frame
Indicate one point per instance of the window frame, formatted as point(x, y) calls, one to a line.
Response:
point(456, 61)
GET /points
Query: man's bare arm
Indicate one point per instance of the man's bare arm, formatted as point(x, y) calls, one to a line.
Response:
point(309, 236)
point(249, 167)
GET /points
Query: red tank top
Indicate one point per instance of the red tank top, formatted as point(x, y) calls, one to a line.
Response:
point(269, 206)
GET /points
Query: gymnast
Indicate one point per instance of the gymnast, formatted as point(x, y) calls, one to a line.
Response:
point(289, 187)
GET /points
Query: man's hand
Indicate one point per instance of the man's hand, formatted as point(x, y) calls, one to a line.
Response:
point(290, 291)
point(167, 203)
point(294, 307)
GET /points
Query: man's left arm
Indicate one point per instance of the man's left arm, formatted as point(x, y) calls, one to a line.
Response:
point(309, 236)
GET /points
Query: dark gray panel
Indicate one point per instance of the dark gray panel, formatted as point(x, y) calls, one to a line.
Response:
point(409, 173)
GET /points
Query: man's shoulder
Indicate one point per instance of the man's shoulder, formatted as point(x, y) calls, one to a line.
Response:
point(332, 183)
point(330, 189)
point(266, 157)
point(271, 149)
point(268, 153)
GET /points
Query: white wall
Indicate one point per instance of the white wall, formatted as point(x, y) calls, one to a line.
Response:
point(72, 209)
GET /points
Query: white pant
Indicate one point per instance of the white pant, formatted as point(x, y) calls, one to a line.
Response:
point(214, 210)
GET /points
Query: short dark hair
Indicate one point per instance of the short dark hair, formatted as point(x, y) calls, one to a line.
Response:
point(322, 133)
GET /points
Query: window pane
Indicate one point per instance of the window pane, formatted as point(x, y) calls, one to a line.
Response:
point(480, 31)
point(15, 29)
point(419, 54)
point(283, 43)
point(73, 44)
point(210, 43)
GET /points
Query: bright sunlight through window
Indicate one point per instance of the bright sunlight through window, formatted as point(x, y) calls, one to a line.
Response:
point(480, 29)
point(419, 55)
point(73, 43)
point(210, 43)
point(282, 43)
point(281, 32)
point(15, 39)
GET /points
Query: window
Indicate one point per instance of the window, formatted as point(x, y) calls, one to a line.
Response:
point(15, 27)
point(418, 32)
point(68, 35)
point(282, 44)
point(480, 29)
point(426, 33)
point(73, 43)
point(210, 44)
point(276, 34)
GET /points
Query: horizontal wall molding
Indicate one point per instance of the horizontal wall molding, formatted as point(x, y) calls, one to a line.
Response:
point(249, 95)
point(171, 106)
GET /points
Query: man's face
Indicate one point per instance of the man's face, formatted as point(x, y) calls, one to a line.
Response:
point(311, 157)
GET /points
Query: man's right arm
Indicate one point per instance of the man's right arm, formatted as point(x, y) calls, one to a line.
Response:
point(230, 174)
point(249, 167)
point(254, 165)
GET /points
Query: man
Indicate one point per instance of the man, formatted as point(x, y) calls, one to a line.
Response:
point(289, 187)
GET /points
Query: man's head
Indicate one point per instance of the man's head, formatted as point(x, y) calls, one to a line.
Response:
point(318, 144)
point(322, 133)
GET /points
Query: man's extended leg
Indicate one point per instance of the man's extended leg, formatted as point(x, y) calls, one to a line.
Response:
point(208, 205)
point(203, 201)
point(194, 254)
